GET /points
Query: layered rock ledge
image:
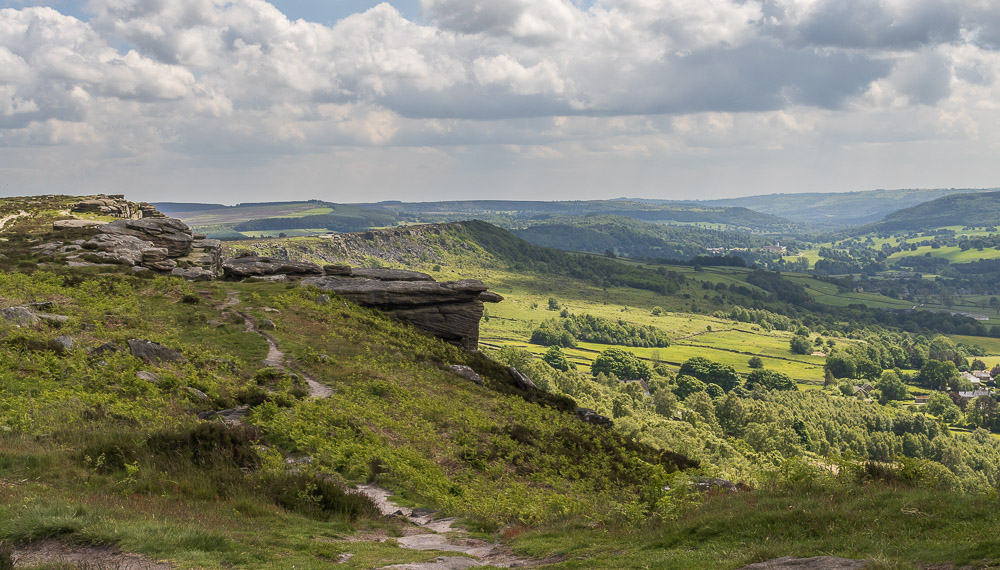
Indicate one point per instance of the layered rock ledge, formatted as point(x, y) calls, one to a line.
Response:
point(450, 310)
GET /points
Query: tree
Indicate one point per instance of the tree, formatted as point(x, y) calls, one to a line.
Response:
point(731, 414)
point(687, 385)
point(553, 304)
point(890, 387)
point(937, 374)
point(770, 379)
point(982, 412)
point(943, 407)
point(800, 345)
point(665, 403)
point(657, 311)
point(755, 362)
point(621, 363)
point(995, 303)
point(513, 356)
point(977, 364)
point(711, 372)
point(556, 358)
point(840, 364)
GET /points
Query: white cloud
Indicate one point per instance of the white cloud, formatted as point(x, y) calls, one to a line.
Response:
point(237, 82)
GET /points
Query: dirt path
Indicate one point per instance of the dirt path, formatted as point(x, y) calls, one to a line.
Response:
point(6, 219)
point(275, 357)
point(53, 552)
point(441, 535)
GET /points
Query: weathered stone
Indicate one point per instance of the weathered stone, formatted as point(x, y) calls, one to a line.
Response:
point(490, 297)
point(154, 254)
point(169, 233)
point(230, 416)
point(592, 417)
point(255, 266)
point(709, 483)
point(267, 325)
point(153, 352)
point(106, 348)
point(198, 395)
point(389, 274)
point(61, 344)
point(75, 224)
point(341, 269)
point(165, 265)
point(467, 373)
point(19, 316)
point(147, 376)
point(113, 248)
point(193, 273)
point(450, 310)
point(814, 563)
point(52, 319)
point(323, 299)
point(520, 379)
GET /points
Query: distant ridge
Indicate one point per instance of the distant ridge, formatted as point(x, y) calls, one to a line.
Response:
point(842, 209)
point(970, 209)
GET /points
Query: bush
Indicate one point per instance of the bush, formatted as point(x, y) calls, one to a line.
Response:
point(315, 497)
point(622, 364)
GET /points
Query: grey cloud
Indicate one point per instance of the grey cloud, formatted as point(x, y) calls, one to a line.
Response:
point(924, 78)
point(473, 16)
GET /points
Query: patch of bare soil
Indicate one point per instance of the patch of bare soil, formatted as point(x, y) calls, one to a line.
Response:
point(82, 556)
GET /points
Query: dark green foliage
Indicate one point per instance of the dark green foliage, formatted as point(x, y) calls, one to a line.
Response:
point(938, 375)
point(556, 358)
point(687, 385)
point(565, 332)
point(755, 362)
point(800, 345)
point(975, 209)
point(208, 444)
point(620, 363)
point(891, 387)
point(316, 497)
point(711, 372)
point(770, 379)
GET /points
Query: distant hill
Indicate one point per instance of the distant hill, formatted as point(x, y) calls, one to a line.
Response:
point(970, 209)
point(509, 213)
point(841, 209)
point(633, 238)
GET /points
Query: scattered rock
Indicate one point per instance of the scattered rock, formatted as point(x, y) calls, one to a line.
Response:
point(592, 417)
point(256, 266)
point(323, 299)
point(708, 483)
point(146, 376)
point(62, 344)
point(198, 395)
point(193, 273)
point(19, 316)
point(344, 557)
point(52, 319)
point(267, 325)
point(153, 352)
point(230, 416)
point(106, 348)
point(467, 373)
point(165, 265)
point(520, 379)
point(814, 563)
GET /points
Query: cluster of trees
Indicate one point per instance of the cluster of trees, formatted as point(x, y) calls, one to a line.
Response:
point(588, 328)
point(752, 428)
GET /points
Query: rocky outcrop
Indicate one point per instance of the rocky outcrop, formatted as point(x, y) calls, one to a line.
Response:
point(449, 310)
point(160, 244)
point(592, 417)
point(257, 266)
point(170, 234)
point(117, 206)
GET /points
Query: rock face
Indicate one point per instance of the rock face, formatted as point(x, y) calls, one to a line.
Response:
point(256, 266)
point(170, 234)
point(116, 205)
point(158, 244)
point(449, 310)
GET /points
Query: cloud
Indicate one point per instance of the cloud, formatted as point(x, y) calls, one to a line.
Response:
point(188, 80)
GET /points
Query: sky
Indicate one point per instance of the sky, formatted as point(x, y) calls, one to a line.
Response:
point(356, 101)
